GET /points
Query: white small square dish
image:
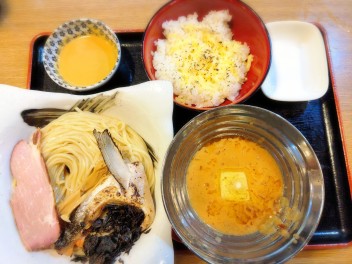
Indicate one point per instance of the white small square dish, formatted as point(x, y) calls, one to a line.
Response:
point(299, 68)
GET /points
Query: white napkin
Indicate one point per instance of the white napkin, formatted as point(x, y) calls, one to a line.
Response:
point(146, 107)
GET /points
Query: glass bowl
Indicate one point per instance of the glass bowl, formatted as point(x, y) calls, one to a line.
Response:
point(302, 179)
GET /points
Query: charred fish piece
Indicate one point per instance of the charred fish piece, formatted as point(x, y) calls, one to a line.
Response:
point(134, 183)
point(113, 217)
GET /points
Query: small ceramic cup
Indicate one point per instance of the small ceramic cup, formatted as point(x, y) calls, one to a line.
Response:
point(65, 34)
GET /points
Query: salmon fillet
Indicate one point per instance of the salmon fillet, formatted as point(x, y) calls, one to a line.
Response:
point(32, 199)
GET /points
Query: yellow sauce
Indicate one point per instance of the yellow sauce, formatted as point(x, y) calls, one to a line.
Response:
point(255, 191)
point(87, 60)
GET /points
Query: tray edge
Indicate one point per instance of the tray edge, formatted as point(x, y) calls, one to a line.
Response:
point(337, 103)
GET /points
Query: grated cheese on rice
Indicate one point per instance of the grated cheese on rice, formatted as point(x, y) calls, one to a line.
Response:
point(201, 60)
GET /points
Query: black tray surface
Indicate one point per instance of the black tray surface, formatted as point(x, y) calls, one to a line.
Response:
point(317, 120)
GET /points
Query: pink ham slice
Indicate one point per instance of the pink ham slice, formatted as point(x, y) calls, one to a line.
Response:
point(32, 198)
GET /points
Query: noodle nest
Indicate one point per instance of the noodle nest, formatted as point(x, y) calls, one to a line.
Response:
point(74, 161)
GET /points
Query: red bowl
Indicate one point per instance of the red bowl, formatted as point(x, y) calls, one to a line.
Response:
point(246, 26)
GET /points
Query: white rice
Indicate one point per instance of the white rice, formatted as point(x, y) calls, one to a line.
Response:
point(201, 60)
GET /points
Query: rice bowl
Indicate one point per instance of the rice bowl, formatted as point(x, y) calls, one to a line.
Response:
point(204, 63)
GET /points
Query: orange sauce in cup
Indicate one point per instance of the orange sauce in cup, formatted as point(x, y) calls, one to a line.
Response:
point(87, 60)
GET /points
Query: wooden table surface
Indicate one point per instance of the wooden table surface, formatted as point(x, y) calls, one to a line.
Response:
point(21, 20)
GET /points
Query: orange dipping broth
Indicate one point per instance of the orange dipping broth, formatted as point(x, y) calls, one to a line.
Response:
point(87, 60)
point(244, 214)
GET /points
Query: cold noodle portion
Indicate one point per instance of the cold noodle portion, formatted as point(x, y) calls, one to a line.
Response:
point(74, 161)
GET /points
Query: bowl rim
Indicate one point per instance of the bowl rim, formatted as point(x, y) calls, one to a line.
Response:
point(313, 180)
point(227, 102)
point(96, 85)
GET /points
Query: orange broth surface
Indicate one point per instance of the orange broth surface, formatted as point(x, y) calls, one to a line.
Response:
point(258, 191)
point(87, 60)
